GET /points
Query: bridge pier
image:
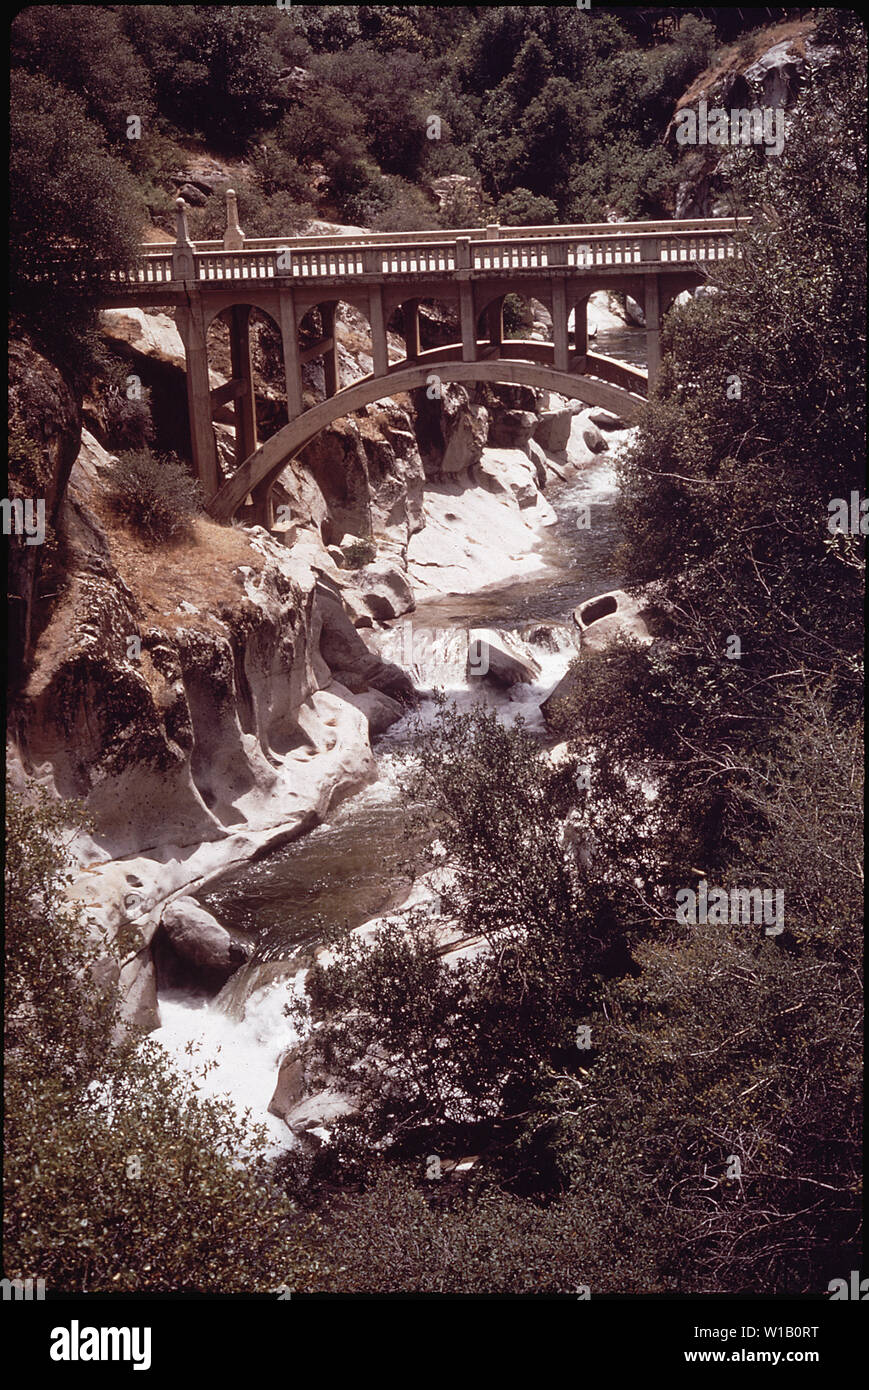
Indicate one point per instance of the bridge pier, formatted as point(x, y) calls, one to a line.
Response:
point(377, 323)
point(559, 325)
point(652, 311)
point(468, 320)
point(190, 322)
point(580, 325)
point(242, 370)
point(410, 324)
point(290, 345)
point(495, 323)
point(330, 356)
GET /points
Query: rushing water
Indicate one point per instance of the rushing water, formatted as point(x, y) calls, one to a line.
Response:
point(363, 862)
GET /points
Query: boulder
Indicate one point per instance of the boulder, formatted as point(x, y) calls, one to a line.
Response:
point(450, 431)
point(290, 1087)
point(509, 471)
point(616, 614)
point(385, 591)
point(500, 656)
point(381, 711)
point(318, 1111)
point(512, 429)
point(563, 689)
point(539, 461)
point(198, 937)
point(348, 658)
point(591, 435)
point(192, 195)
point(553, 430)
point(604, 419)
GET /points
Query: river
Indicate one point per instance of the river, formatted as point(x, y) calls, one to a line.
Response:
point(362, 862)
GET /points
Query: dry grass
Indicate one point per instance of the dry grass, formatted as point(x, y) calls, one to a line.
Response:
point(200, 569)
point(734, 59)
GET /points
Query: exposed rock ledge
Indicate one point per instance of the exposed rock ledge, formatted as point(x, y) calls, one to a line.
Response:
point(187, 697)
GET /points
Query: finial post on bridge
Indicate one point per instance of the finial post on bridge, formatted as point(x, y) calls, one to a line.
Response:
point(183, 265)
point(233, 237)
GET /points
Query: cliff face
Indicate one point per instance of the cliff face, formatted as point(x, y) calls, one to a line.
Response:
point(211, 698)
point(45, 419)
point(766, 70)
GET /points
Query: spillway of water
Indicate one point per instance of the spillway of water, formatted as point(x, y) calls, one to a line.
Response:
point(362, 863)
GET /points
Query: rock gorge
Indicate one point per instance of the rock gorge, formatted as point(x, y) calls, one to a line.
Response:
point(213, 699)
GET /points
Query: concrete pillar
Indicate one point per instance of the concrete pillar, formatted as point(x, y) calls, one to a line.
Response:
point(290, 344)
point(330, 356)
point(410, 318)
point(652, 307)
point(559, 325)
point(183, 261)
point(580, 326)
point(233, 237)
point(263, 508)
point(242, 370)
point(190, 322)
point(468, 321)
point(377, 320)
point(495, 322)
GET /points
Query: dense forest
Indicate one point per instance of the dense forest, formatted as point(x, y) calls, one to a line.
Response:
point(606, 1062)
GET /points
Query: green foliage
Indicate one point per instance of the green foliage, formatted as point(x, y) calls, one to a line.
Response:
point(83, 48)
point(394, 1238)
point(522, 208)
point(359, 553)
point(478, 1041)
point(72, 203)
point(156, 495)
point(118, 1176)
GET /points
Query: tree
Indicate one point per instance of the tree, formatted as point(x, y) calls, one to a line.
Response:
point(73, 206)
point(118, 1176)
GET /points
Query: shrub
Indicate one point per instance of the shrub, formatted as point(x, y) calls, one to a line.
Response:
point(154, 494)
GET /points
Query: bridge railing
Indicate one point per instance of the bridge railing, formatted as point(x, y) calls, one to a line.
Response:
point(680, 226)
point(664, 244)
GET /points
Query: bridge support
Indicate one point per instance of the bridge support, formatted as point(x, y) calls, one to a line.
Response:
point(468, 321)
point(580, 326)
point(377, 322)
point(242, 370)
point(410, 323)
point(190, 322)
point(495, 322)
point(290, 345)
point(652, 310)
point(330, 357)
point(559, 325)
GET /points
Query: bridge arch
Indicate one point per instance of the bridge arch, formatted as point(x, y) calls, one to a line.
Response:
point(263, 466)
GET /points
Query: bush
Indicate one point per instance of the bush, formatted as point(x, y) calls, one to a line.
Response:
point(521, 208)
point(154, 494)
point(118, 1176)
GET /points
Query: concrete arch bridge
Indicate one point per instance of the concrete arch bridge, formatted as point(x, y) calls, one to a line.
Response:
point(471, 272)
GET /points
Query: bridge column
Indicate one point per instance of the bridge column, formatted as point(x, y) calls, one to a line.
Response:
point(190, 322)
point(330, 357)
point(410, 319)
point(652, 308)
point(377, 321)
point(242, 370)
point(559, 325)
point(290, 346)
point(495, 322)
point(580, 326)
